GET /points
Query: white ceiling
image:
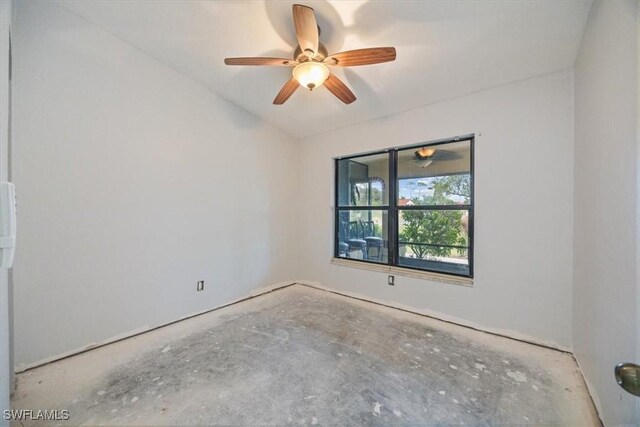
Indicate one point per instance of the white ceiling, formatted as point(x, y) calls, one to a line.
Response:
point(445, 49)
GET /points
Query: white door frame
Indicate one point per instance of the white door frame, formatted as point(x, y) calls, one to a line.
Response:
point(6, 371)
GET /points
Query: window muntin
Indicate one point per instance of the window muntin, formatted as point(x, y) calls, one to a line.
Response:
point(428, 222)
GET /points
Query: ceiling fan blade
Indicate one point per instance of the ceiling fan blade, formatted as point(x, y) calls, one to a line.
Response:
point(286, 91)
point(304, 19)
point(260, 61)
point(446, 155)
point(339, 89)
point(372, 55)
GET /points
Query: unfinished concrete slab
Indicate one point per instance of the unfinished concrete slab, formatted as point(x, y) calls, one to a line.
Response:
point(306, 356)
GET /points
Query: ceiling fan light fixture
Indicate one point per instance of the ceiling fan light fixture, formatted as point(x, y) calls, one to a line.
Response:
point(311, 59)
point(311, 74)
point(425, 152)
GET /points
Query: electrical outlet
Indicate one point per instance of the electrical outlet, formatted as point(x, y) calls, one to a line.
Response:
point(200, 286)
point(391, 281)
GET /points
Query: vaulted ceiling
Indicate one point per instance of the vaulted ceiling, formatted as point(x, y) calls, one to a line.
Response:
point(445, 49)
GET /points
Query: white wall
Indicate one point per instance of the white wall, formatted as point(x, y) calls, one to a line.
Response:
point(5, 344)
point(524, 207)
point(605, 204)
point(134, 182)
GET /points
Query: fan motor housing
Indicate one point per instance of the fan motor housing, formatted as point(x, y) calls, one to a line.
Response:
point(301, 56)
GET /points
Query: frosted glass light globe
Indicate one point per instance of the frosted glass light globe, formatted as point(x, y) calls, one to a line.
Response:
point(311, 74)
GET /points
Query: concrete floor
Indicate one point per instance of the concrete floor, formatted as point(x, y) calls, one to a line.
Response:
point(306, 356)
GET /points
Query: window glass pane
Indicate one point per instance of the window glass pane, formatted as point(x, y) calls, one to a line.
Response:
point(434, 240)
point(363, 234)
point(435, 175)
point(363, 181)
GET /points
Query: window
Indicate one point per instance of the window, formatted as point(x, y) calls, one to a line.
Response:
point(408, 207)
point(362, 214)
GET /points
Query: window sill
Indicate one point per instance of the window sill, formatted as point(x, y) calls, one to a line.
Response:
point(426, 275)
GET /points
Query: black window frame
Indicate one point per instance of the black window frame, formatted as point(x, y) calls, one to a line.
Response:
point(394, 211)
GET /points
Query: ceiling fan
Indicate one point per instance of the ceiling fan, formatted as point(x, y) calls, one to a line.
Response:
point(424, 156)
point(311, 60)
